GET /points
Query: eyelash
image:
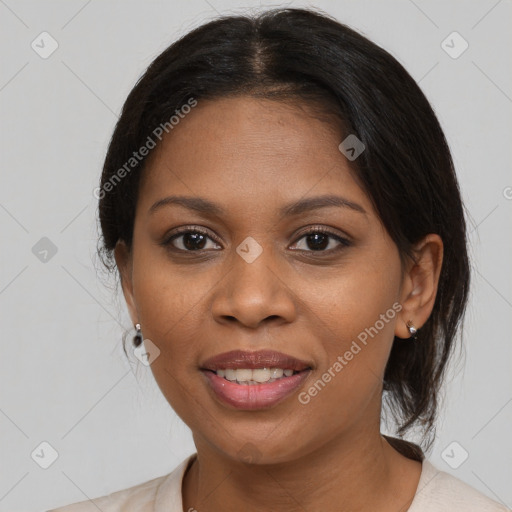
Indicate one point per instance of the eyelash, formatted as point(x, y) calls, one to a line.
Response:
point(344, 242)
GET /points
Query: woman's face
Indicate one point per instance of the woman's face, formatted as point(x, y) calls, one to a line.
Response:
point(257, 279)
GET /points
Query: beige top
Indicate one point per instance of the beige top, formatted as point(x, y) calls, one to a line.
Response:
point(437, 492)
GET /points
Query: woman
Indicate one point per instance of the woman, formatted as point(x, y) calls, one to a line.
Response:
point(281, 205)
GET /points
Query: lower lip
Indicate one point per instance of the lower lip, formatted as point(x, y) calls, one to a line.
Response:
point(257, 396)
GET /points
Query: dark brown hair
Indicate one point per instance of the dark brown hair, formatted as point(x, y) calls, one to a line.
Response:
point(406, 168)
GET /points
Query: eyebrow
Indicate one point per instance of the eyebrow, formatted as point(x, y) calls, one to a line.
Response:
point(205, 206)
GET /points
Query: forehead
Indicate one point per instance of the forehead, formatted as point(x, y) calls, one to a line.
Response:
point(251, 148)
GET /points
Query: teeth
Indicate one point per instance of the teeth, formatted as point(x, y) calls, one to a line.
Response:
point(250, 377)
point(260, 374)
point(230, 374)
point(276, 373)
point(243, 375)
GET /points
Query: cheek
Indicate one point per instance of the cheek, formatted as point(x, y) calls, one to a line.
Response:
point(354, 296)
point(348, 381)
point(170, 305)
point(355, 314)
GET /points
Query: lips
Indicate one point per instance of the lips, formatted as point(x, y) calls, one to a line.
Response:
point(260, 396)
point(236, 359)
point(257, 395)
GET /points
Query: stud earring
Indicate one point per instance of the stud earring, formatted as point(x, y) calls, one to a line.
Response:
point(137, 339)
point(412, 330)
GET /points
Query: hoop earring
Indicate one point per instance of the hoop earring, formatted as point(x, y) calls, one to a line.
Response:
point(137, 339)
point(412, 330)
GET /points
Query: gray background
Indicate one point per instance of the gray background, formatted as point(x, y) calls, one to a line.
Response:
point(64, 377)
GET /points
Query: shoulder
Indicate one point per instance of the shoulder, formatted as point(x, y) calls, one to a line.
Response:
point(439, 491)
point(143, 497)
point(139, 497)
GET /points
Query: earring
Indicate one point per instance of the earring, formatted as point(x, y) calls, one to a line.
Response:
point(412, 330)
point(137, 339)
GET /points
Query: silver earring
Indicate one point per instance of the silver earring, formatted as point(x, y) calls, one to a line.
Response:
point(412, 330)
point(137, 339)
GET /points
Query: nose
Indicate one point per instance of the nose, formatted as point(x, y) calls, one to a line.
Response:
point(254, 293)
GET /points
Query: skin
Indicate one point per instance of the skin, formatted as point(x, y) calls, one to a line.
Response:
point(252, 157)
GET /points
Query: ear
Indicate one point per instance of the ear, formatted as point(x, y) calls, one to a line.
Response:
point(123, 259)
point(419, 284)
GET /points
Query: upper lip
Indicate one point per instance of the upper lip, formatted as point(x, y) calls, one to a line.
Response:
point(259, 359)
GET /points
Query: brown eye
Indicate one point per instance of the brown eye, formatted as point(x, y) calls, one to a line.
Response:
point(190, 240)
point(321, 240)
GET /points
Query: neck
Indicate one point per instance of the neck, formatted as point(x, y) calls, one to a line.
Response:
point(358, 471)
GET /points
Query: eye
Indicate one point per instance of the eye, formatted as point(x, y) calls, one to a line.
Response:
point(196, 239)
point(189, 239)
point(320, 239)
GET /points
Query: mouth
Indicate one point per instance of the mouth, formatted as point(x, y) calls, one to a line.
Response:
point(249, 394)
point(255, 376)
point(254, 380)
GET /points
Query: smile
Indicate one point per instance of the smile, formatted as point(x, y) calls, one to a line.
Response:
point(257, 388)
point(254, 376)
